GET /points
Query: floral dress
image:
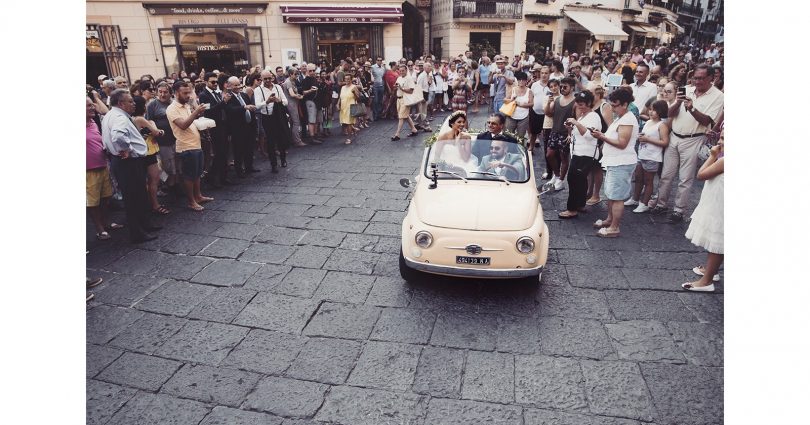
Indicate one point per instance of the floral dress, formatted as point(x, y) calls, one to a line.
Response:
point(460, 98)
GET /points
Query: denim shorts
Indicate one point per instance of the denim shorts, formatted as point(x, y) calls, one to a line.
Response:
point(649, 165)
point(192, 163)
point(617, 182)
point(312, 112)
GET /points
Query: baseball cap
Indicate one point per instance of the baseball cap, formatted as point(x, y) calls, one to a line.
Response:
point(537, 67)
point(648, 52)
point(102, 77)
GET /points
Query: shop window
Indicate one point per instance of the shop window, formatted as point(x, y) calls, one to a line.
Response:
point(489, 41)
point(254, 34)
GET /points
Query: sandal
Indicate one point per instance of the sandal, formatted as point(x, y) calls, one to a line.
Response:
point(114, 226)
point(103, 236)
point(600, 224)
point(700, 271)
point(605, 233)
point(592, 201)
point(395, 138)
point(197, 208)
point(348, 142)
point(204, 199)
point(414, 133)
point(161, 210)
point(567, 214)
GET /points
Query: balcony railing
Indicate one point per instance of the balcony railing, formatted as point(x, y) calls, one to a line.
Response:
point(488, 9)
point(665, 4)
point(695, 11)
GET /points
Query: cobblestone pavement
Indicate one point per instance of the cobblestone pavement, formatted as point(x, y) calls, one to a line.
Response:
point(282, 304)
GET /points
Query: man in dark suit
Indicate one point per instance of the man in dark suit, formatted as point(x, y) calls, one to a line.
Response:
point(217, 99)
point(241, 119)
point(503, 163)
point(495, 124)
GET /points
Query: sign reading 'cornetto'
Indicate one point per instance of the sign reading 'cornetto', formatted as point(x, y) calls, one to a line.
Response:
point(205, 9)
point(341, 20)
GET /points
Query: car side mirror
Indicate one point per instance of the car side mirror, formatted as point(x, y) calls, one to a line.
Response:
point(406, 183)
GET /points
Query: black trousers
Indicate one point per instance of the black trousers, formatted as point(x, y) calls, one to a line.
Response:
point(131, 176)
point(578, 172)
point(219, 140)
point(243, 142)
point(276, 137)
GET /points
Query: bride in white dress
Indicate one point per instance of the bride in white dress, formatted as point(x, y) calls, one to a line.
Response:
point(454, 146)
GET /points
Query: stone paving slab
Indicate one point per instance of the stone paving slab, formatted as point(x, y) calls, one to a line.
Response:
point(282, 303)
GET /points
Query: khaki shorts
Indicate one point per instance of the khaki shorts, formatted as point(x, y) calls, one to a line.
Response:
point(98, 186)
point(403, 111)
point(167, 162)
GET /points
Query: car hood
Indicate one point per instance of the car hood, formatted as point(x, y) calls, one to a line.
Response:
point(477, 205)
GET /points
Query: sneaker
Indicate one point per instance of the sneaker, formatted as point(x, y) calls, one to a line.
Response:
point(630, 202)
point(675, 217)
point(658, 210)
point(559, 185)
point(641, 209)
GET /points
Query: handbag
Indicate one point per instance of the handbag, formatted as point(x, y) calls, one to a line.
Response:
point(203, 123)
point(413, 98)
point(704, 152)
point(508, 108)
point(357, 110)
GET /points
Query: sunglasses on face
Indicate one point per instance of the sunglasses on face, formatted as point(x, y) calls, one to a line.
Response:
point(268, 79)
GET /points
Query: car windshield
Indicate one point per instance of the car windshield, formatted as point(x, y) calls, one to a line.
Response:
point(470, 157)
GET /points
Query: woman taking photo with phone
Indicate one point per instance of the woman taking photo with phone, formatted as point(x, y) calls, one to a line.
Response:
point(619, 158)
point(584, 152)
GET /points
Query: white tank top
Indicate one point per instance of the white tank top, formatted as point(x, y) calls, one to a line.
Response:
point(521, 112)
point(650, 151)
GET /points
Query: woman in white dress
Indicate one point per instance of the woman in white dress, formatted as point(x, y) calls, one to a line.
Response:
point(454, 146)
point(706, 228)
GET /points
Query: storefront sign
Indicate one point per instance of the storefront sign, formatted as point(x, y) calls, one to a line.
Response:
point(205, 9)
point(341, 20)
point(498, 27)
point(210, 20)
point(214, 47)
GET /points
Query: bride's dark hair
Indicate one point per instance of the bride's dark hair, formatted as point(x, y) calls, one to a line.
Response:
point(455, 116)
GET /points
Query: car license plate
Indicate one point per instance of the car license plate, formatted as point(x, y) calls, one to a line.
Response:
point(477, 261)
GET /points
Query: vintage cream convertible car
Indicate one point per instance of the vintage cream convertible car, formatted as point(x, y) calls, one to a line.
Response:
point(475, 212)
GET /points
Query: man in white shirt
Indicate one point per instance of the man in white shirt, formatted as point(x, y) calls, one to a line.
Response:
point(423, 81)
point(692, 116)
point(539, 90)
point(648, 58)
point(266, 97)
point(643, 90)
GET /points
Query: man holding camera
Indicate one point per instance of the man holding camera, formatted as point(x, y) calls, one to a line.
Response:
point(695, 112)
point(500, 78)
point(188, 145)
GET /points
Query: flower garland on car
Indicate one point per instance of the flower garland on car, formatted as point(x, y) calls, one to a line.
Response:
point(474, 131)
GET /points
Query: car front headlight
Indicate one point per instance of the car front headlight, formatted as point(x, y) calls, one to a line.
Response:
point(424, 239)
point(525, 245)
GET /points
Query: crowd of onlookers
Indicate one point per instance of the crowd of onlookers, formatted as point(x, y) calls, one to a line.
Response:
point(607, 122)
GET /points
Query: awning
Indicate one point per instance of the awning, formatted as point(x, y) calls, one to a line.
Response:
point(341, 14)
point(674, 25)
point(600, 27)
point(643, 29)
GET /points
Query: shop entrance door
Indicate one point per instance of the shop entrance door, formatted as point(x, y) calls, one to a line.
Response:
point(214, 59)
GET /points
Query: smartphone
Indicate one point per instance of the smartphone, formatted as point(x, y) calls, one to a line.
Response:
point(682, 91)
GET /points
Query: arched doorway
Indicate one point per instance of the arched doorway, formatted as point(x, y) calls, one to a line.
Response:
point(224, 49)
point(413, 28)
